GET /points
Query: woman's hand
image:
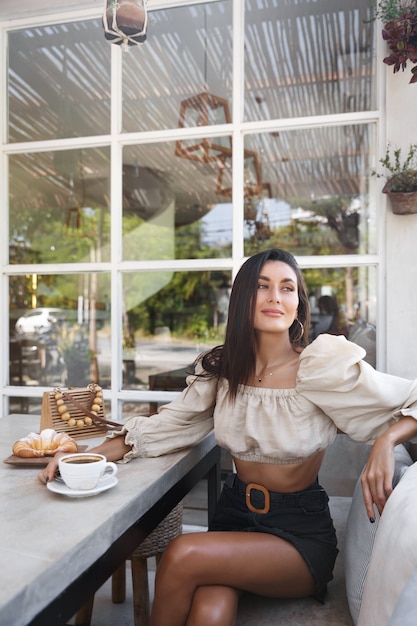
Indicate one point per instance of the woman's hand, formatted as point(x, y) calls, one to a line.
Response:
point(48, 473)
point(377, 476)
point(113, 450)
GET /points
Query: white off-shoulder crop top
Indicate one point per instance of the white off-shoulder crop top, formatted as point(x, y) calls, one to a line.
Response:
point(335, 389)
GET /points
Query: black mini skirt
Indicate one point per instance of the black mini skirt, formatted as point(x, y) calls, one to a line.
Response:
point(302, 518)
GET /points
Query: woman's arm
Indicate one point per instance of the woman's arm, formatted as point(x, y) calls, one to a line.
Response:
point(379, 470)
point(368, 405)
point(113, 450)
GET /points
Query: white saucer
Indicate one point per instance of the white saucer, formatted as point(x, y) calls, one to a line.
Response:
point(58, 486)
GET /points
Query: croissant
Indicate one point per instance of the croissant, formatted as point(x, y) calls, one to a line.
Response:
point(47, 443)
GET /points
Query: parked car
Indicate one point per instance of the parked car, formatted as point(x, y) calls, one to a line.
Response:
point(38, 321)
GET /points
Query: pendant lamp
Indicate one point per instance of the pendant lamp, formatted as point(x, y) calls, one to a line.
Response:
point(125, 22)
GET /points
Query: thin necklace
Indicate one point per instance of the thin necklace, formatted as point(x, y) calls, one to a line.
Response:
point(260, 378)
point(263, 375)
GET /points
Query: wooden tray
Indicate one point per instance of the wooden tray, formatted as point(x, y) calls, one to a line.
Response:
point(38, 461)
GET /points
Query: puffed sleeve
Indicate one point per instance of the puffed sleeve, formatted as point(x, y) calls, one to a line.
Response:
point(361, 401)
point(180, 424)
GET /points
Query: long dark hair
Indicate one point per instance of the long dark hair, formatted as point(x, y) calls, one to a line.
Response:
point(235, 360)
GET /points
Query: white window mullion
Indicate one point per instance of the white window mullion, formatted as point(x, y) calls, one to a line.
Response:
point(116, 140)
point(4, 217)
point(237, 137)
point(116, 187)
point(382, 294)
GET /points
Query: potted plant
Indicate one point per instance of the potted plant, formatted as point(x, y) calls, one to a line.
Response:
point(400, 32)
point(401, 175)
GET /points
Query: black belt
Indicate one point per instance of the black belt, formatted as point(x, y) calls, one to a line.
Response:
point(260, 500)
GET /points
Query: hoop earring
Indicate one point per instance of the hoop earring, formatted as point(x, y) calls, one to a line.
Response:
point(301, 329)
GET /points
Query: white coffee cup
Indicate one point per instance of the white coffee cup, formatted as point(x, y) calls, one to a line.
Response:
point(83, 470)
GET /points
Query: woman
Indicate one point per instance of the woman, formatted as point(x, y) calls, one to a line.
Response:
point(331, 319)
point(276, 405)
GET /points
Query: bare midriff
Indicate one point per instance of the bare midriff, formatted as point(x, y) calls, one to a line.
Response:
point(284, 478)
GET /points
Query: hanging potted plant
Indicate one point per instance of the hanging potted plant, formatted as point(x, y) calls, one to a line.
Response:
point(399, 18)
point(401, 175)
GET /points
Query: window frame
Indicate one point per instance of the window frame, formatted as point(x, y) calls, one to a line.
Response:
point(238, 129)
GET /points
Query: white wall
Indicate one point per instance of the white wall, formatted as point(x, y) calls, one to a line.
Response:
point(401, 238)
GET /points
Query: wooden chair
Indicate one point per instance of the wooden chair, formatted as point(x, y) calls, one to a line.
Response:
point(153, 546)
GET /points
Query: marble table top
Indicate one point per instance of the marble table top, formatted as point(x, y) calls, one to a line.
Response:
point(47, 539)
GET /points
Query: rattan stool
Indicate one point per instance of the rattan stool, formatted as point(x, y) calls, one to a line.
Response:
point(154, 545)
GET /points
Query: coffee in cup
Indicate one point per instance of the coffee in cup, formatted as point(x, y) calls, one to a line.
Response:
point(83, 470)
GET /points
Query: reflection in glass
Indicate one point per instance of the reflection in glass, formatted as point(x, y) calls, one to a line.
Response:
point(202, 110)
point(252, 177)
point(170, 318)
point(25, 405)
point(131, 409)
point(188, 52)
point(60, 330)
point(343, 302)
point(315, 196)
point(304, 58)
point(171, 206)
point(59, 206)
point(58, 81)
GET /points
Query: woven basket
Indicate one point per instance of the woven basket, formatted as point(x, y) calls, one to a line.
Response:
point(158, 540)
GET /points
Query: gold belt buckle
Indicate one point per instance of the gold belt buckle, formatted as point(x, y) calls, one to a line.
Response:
point(267, 499)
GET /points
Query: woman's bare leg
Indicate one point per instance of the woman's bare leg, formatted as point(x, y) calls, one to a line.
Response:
point(255, 562)
point(214, 605)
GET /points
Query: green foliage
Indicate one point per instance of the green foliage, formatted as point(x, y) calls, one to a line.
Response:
point(400, 33)
point(387, 10)
point(186, 301)
point(315, 278)
point(197, 327)
point(185, 305)
point(406, 182)
point(401, 172)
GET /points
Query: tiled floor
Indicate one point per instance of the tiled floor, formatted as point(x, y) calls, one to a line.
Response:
point(105, 613)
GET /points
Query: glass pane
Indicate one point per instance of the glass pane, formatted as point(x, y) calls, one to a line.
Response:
point(59, 206)
point(343, 302)
point(25, 405)
point(58, 82)
point(308, 58)
point(188, 52)
point(310, 193)
point(170, 318)
point(59, 329)
point(131, 409)
point(171, 205)
point(34, 405)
